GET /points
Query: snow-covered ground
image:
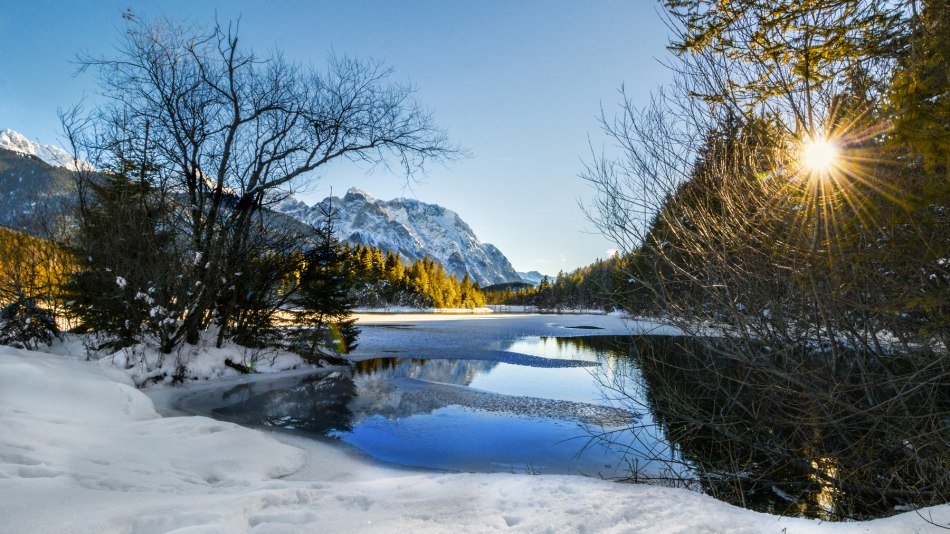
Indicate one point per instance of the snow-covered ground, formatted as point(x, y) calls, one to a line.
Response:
point(517, 308)
point(145, 365)
point(83, 450)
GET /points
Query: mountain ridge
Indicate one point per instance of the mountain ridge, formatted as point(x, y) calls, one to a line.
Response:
point(412, 228)
point(50, 154)
point(531, 277)
point(33, 176)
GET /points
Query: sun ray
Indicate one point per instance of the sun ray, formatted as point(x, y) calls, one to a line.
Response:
point(819, 155)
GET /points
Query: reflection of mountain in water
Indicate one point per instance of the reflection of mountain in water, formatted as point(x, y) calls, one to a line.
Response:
point(459, 372)
point(389, 387)
point(393, 388)
point(401, 387)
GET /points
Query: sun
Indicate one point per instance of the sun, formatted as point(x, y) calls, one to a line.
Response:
point(819, 156)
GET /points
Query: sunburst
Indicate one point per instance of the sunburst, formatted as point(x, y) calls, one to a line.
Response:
point(819, 156)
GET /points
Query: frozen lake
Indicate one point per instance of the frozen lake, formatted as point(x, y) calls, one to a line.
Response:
point(571, 394)
point(462, 393)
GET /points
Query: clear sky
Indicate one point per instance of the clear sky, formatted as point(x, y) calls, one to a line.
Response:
point(519, 84)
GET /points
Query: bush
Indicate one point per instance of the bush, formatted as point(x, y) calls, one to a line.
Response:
point(25, 325)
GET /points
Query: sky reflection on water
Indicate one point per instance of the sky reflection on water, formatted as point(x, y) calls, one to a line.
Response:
point(454, 414)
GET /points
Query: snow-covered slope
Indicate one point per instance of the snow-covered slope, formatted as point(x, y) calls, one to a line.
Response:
point(35, 183)
point(413, 229)
point(53, 155)
point(83, 451)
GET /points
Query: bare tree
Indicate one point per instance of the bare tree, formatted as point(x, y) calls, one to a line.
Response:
point(822, 360)
point(222, 130)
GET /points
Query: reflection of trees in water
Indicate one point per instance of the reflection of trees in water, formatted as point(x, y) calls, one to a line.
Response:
point(392, 388)
point(317, 404)
point(779, 431)
point(338, 401)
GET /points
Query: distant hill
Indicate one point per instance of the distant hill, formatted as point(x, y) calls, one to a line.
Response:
point(36, 183)
point(413, 229)
point(531, 277)
point(514, 286)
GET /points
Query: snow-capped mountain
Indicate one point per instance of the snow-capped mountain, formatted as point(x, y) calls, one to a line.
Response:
point(531, 277)
point(34, 183)
point(53, 155)
point(413, 229)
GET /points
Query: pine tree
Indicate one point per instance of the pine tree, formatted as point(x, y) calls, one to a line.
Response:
point(25, 325)
point(324, 296)
point(126, 285)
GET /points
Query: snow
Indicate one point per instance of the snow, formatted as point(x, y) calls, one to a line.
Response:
point(531, 277)
point(412, 229)
point(481, 336)
point(53, 155)
point(519, 308)
point(143, 363)
point(83, 450)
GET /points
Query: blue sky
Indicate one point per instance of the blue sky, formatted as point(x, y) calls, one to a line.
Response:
point(519, 84)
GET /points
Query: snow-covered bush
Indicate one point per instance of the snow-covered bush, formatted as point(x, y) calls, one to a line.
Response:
point(25, 325)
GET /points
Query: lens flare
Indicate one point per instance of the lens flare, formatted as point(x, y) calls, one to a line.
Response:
point(819, 156)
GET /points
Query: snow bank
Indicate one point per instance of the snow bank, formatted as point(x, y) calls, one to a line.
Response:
point(519, 308)
point(82, 450)
point(143, 363)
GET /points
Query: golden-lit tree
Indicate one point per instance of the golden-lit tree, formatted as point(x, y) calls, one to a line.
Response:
point(32, 272)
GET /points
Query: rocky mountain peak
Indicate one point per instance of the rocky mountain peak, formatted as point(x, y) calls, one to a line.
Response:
point(413, 229)
point(354, 194)
point(51, 154)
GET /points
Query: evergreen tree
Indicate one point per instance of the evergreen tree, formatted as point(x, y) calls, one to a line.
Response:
point(32, 271)
point(25, 325)
point(324, 295)
point(384, 280)
point(126, 285)
point(919, 96)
